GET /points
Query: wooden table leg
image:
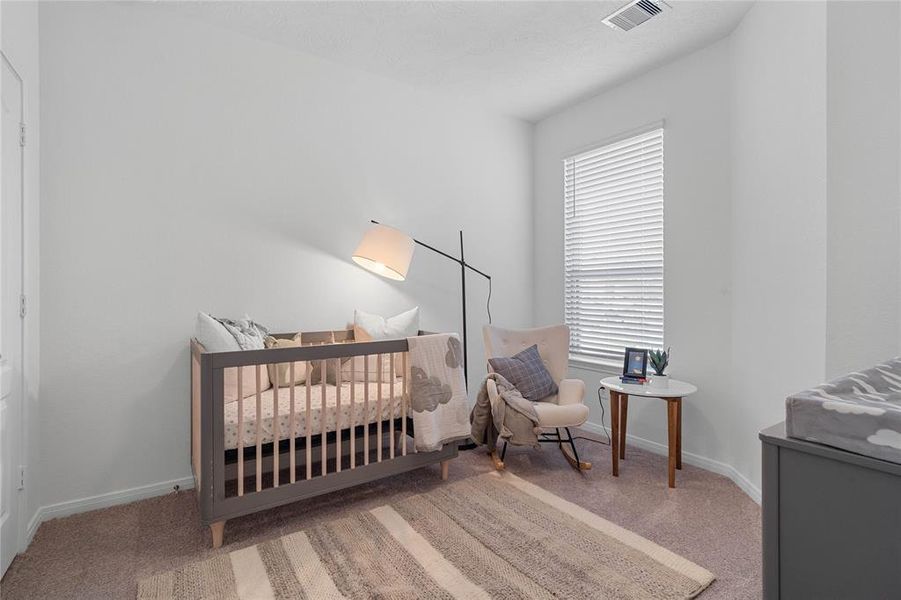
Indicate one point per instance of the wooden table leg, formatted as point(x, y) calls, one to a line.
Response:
point(623, 410)
point(679, 433)
point(614, 424)
point(671, 415)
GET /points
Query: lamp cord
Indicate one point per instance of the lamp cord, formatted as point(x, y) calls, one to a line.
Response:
point(488, 304)
point(603, 426)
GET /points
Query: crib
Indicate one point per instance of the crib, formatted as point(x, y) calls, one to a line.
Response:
point(289, 442)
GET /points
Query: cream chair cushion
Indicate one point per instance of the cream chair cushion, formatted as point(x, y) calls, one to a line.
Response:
point(554, 415)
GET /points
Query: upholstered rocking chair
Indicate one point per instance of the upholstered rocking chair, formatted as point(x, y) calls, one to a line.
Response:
point(566, 409)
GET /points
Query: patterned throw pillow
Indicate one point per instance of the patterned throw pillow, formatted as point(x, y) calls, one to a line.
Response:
point(527, 373)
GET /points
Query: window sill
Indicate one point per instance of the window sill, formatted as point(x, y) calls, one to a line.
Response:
point(597, 366)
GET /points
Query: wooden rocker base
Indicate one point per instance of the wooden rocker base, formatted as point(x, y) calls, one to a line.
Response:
point(574, 462)
point(567, 447)
point(498, 463)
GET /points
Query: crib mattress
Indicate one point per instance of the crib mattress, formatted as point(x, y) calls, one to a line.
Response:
point(329, 412)
point(860, 412)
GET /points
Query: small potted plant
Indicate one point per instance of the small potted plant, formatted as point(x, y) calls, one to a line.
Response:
point(659, 361)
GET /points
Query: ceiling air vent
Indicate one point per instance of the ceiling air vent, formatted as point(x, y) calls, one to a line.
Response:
point(634, 14)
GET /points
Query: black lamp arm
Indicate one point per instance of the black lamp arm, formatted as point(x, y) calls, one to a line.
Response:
point(460, 262)
point(463, 266)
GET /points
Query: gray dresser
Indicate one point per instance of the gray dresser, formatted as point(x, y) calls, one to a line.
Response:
point(831, 522)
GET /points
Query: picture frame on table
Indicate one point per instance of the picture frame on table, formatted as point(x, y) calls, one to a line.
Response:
point(635, 363)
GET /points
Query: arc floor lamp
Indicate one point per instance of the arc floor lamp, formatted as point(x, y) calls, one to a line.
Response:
point(387, 251)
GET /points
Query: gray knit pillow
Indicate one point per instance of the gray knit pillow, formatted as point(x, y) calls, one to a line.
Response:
point(527, 373)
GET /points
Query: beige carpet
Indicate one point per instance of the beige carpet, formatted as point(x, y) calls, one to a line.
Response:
point(102, 554)
point(490, 536)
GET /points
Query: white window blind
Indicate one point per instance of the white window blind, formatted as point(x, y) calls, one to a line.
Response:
point(613, 197)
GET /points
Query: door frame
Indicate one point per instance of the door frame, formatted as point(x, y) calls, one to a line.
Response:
point(21, 517)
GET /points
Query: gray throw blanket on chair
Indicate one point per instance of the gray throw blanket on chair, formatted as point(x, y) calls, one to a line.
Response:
point(511, 416)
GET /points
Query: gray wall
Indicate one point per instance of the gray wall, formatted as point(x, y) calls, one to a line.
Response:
point(188, 168)
point(782, 215)
point(778, 228)
point(691, 95)
point(864, 176)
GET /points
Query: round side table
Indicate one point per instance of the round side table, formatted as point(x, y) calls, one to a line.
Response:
point(619, 407)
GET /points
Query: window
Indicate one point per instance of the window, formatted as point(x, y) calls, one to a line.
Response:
point(613, 243)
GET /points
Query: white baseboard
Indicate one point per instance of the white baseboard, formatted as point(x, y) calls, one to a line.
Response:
point(71, 507)
point(696, 460)
point(31, 529)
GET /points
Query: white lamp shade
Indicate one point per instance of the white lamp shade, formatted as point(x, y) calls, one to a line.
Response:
point(385, 251)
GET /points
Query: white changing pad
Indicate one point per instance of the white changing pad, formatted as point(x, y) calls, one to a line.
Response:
point(860, 412)
point(330, 412)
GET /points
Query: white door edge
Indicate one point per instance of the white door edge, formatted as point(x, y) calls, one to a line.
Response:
point(8, 376)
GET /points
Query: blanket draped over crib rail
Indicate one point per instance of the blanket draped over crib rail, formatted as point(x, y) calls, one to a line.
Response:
point(438, 391)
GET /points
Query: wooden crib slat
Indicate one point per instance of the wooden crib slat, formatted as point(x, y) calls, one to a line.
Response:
point(403, 403)
point(353, 412)
point(366, 410)
point(379, 409)
point(323, 373)
point(240, 431)
point(292, 433)
point(259, 461)
point(309, 420)
point(337, 415)
point(275, 435)
point(392, 409)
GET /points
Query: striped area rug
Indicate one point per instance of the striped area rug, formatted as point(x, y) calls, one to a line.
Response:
point(491, 536)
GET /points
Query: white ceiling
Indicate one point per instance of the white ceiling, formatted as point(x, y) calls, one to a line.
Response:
point(525, 59)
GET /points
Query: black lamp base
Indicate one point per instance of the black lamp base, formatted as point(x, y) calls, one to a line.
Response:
point(468, 444)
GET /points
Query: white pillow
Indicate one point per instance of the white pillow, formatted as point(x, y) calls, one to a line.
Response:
point(370, 327)
point(213, 335)
point(376, 327)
